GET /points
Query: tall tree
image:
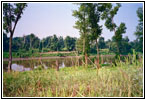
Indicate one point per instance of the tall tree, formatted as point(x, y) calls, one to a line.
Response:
point(82, 24)
point(31, 38)
point(94, 13)
point(11, 15)
point(139, 30)
point(111, 25)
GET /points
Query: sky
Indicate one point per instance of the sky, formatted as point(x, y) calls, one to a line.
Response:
point(47, 19)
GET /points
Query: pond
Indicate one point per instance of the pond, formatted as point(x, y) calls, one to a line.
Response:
point(30, 64)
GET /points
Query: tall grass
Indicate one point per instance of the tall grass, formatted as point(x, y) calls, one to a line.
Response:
point(123, 80)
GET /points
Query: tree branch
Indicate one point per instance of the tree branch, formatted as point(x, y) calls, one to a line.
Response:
point(18, 17)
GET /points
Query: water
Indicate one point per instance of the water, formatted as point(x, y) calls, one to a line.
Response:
point(26, 65)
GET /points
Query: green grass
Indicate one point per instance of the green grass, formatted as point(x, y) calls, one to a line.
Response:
point(123, 80)
point(36, 54)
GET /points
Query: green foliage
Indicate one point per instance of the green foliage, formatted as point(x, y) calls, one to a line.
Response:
point(40, 47)
point(60, 54)
point(46, 49)
point(61, 43)
point(109, 23)
point(101, 43)
point(120, 30)
point(125, 46)
point(139, 30)
point(11, 14)
point(50, 43)
point(5, 42)
point(54, 43)
point(70, 43)
point(94, 17)
point(82, 24)
point(79, 45)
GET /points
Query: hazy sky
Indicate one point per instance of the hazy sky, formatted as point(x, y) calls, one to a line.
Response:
point(45, 19)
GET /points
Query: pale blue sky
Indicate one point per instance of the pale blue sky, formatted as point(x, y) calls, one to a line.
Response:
point(45, 19)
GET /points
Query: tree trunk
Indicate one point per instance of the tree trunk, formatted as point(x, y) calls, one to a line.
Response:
point(84, 42)
point(30, 43)
point(86, 59)
point(118, 51)
point(57, 65)
point(10, 53)
point(84, 49)
point(98, 65)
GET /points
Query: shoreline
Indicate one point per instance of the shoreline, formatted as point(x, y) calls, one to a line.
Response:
point(30, 58)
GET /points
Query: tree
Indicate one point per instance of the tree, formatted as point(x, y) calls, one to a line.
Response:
point(110, 24)
point(95, 28)
point(135, 45)
point(11, 15)
point(5, 42)
point(35, 42)
point(101, 43)
point(82, 25)
point(70, 43)
point(79, 45)
point(54, 43)
point(125, 46)
point(139, 30)
point(31, 38)
point(47, 42)
point(17, 43)
point(94, 12)
point(60, 43)
point(40, 47)
point(30, 41)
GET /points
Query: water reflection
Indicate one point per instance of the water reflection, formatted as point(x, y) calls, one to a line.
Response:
point(26, 65)
point(17, 67)
point(62, 65)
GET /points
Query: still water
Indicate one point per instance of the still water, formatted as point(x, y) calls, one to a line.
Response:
point(26, 65)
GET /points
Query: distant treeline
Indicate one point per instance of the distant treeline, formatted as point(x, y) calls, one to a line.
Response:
point(54, 43)
point(50, 43)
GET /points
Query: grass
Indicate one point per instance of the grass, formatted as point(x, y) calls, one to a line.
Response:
point(123, 80)
point(35, 54)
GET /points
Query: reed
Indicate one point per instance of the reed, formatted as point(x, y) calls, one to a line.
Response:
point(123, 80)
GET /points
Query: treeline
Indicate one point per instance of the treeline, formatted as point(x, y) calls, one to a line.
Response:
point(54, 43)
point(50, 43)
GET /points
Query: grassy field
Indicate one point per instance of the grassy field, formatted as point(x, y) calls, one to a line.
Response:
point(123, 80)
